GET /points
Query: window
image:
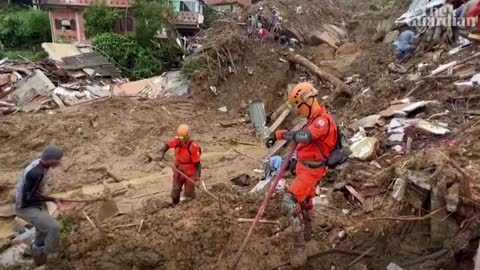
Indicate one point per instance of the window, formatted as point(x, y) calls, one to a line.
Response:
point(124, 25)
point(65, 25)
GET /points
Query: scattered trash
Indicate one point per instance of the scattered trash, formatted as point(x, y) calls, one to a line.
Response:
point(214, 90)
point(169, 84)
point(223, 109)
point(399, 189)
point(365, 148)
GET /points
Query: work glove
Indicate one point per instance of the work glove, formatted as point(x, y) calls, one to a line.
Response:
point(162, 156)
point(271, 140)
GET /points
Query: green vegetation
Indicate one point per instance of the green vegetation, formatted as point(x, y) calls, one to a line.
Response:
point(99, 19)
point(135, 61)
point(24, 28)
point(151, 16)
point(211, 16)
point(141, 56)
point(193, 64)
point(37, 54)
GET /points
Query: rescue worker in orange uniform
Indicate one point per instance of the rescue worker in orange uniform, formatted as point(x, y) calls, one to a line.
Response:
point(187, 160)
point(315, 143)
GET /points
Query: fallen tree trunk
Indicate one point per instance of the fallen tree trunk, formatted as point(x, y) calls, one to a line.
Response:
point(340, 86)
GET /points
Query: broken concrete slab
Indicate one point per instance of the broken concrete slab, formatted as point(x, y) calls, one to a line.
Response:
point(366, 122)
point(99, 91)
point(431, 128)
point(405, 108)
point(56, 51)
point(168, 84)
point(37, 84)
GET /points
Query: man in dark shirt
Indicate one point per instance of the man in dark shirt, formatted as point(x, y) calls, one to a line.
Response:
point(31, 205)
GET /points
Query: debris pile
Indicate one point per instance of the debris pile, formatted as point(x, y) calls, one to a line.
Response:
point(74, 76)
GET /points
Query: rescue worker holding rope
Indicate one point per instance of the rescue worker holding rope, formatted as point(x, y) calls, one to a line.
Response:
point(187, 160)
point(316, 141)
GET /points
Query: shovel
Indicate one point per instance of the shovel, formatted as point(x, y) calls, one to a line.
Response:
point(190, 179)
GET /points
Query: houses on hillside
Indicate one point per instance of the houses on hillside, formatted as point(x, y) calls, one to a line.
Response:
point(68, 25)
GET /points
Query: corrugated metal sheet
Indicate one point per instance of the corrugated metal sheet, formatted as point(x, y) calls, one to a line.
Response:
point(92, 60)
point(258, 116)
point(418, 9)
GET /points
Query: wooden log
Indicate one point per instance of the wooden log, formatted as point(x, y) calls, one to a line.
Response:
point(321, 74)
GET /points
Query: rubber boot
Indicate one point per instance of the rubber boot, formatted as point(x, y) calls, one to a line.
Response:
point(38, 255)
point(298, 256)
point(307, 228)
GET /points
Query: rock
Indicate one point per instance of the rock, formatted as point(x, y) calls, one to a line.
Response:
point(243, 104)
point(342, 63)
point(393, 266)
point(391, 36)
point(319, 37)
point(223, 109)
point(337, 31)
point(323, 52)
point(382, 28)
point(347, 48)
point(396, 68)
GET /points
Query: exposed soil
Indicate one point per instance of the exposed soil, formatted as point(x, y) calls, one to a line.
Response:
point(109, 142)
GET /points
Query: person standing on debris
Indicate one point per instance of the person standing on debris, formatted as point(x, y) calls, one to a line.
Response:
point(405, 45)
point(316, 141)
point(273, 23)
point(187, 160)
point(251, 26)
point(31, 205)
point(263, 33)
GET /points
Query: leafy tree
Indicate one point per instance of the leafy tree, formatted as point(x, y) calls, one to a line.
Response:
point(135, 61)
point(99, 19)
point(152, 16)
point(24, 27)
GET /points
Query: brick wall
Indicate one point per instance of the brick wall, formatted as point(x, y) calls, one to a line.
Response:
point(244, 3)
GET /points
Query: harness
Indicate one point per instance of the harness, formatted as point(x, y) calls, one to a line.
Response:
point(189, 151)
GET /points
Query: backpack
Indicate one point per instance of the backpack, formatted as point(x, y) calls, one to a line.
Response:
point(340, 152)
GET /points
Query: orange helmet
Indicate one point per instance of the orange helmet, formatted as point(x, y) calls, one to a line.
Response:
point(183, 132)
point(303, 94)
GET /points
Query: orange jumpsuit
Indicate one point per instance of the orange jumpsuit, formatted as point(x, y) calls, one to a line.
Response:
point(187, 156)
point(323, 129)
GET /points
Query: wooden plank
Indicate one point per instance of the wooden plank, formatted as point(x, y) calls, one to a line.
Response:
point(279, 144)
point(278, 111)
point(355, 194)
point(279, 121)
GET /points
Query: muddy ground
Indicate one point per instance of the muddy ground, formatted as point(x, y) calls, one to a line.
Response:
point(108, 143)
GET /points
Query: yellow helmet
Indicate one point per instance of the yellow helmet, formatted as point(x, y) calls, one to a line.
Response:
point(183, 132)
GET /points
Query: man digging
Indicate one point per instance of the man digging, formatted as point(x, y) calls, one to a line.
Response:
point(187, 161)
point(31, 205)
